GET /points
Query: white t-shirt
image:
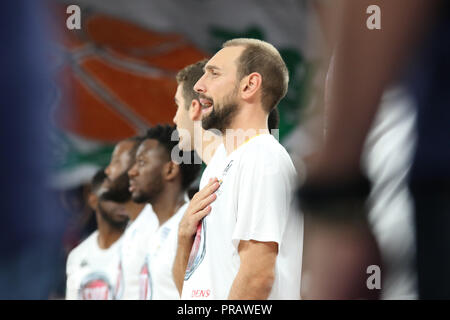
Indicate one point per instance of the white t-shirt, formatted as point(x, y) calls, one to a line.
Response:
point(156, 279)
point(92, 271)
point(254, 202)
point(132, 253)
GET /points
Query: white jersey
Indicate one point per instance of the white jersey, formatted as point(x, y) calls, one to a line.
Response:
point(391, 209)
point(254, 202)
point(156, 279)
point(92, 271)
point(132, 253)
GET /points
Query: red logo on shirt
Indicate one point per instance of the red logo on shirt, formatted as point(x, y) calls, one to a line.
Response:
point(197, 251)
point(145, 282)
point(200, 293)
point(95, 287)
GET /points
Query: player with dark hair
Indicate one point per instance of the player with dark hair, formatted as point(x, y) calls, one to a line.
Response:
point(156, 179)
point(143, 221)
point(92, 265)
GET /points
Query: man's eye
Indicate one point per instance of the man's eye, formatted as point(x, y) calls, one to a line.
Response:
point(213, 72)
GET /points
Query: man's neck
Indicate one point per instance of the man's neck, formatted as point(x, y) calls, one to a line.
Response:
point(167, 204)
point(107, 234)
point(206, 142)
point(133, 209)
point(248, 123)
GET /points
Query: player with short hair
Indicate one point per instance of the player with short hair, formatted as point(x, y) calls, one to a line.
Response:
point(92, 265)
point(156, 179)
point(240, 237)
point(143, 221)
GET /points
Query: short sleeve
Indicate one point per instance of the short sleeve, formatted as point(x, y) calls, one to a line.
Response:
point(71, 290)
point(264, 192)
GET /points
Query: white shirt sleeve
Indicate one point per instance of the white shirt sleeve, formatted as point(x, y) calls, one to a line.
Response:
point(71, 287)
point(264, 192)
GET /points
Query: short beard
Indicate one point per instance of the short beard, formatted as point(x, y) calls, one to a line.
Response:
point(149, 197)
point(117, 225)
point(118, 191)
point(222, 118)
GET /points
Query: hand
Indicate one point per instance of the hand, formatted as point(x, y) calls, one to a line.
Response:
point(198, 208)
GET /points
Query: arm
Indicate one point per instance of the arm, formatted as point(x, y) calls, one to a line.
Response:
point(180, 262)
point(365, 61)
point(256, 273)
point(198, 208)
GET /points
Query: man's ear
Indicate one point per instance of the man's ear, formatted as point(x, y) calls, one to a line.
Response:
point(195, 110)
point(93, 201)
point(250, 85)
point(171, 170)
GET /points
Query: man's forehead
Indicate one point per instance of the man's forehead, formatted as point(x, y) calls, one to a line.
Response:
point(123, 146)
point(147, 145)
point(225, 57)
point(178, 93)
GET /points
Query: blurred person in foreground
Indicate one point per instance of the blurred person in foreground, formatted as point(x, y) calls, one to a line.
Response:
point(33, 222)
point(158, 180)
point(92, 265)
point(335, 190)
point(246, 187)
point(143, 221)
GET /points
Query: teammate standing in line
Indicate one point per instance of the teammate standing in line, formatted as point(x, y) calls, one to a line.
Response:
point(92, 265)
point(158, 180)
point(143, 221)
point(249, 243)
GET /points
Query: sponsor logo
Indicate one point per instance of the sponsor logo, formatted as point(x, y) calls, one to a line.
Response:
point(224, 173)
point(227, 168)
point(95, 287)
point(201, 293)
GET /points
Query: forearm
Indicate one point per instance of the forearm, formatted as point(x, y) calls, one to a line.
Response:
point(251, 286)
point(180, 263)
point(365, 61)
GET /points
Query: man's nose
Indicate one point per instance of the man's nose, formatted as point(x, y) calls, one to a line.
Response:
point(175, 118)
point(108, 171)
point(199, 86)
point(132, 172)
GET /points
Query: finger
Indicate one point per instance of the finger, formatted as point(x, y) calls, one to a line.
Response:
point(205, 192)
point(207, 201)
point(200, 204)
point(200, 193)
point(202, 213)
point(208, 189)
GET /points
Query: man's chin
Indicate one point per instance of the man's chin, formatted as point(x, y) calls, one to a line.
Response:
point(208, 126)
point(139, 198)
point(121, 219)
point(185, 147)
point(184, 144)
